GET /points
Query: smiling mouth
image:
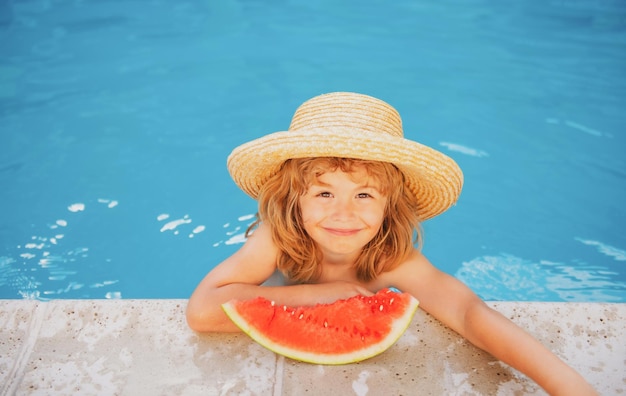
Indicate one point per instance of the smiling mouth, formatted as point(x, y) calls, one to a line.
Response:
point(341, 232)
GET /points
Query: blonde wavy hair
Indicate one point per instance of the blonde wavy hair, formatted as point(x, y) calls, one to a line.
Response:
point(299, 257)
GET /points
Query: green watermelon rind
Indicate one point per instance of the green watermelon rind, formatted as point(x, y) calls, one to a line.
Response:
point(399, 326)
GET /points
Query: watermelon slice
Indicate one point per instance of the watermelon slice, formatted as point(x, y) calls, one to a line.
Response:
point(345, 331)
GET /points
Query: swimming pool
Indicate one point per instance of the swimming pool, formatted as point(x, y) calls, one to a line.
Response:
point(116, 119)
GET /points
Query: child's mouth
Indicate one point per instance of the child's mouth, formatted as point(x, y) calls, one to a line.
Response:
point(341, 231)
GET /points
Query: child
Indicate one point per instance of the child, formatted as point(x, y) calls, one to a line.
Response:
point(341, 195)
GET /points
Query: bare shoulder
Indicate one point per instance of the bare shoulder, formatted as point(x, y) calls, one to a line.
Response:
point(416, 266)
point(260, 242)
point(259, 248)
point(253, 263)
point(439, 293)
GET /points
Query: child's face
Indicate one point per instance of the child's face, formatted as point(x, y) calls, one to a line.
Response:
point(342, 212)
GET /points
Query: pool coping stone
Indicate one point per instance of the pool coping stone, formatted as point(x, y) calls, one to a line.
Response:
point(144, 347)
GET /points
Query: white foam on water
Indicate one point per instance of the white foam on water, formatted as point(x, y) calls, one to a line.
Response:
point(239, 238)
point(113, 295)
point(245, 217)
point(175, 223)
point(235, 236)
point(76, 207)
point(163, 216)
point(111, 203)
point(197, 230)
point(233, 232)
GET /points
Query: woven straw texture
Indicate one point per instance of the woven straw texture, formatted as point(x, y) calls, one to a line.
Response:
point(350, 125)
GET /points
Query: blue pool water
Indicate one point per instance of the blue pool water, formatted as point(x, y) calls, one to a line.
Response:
point(116, 119)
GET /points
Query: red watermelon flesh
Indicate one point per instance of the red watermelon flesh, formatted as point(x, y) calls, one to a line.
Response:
point(345, 331)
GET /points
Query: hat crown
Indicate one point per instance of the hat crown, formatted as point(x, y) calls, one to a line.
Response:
point(347, 110)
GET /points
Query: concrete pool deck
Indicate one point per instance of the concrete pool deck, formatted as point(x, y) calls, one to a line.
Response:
point(144, 347)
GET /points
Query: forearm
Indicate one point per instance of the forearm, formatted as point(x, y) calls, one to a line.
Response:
point(507, 342)
point(204, 310)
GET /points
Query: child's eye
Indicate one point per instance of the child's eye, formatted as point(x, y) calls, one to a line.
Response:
point(363, 195)
point(325, 194)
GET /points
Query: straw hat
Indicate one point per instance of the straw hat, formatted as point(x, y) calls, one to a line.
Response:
point(350, 125)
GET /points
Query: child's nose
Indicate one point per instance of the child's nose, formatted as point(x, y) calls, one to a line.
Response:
point(343, 209)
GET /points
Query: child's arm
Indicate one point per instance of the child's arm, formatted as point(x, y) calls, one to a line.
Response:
point(240, 276)
point(455, 305)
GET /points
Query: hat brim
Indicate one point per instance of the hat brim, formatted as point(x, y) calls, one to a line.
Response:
point(434, 178)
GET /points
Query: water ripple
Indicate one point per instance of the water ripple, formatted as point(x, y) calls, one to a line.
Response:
point(510, 278)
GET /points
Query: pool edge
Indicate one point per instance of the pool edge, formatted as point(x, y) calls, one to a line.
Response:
point(145, 347)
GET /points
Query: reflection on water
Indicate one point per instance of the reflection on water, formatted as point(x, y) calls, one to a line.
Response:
point(613, 252)
point(459, 148)
point(48, 266)
point(506, 277)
